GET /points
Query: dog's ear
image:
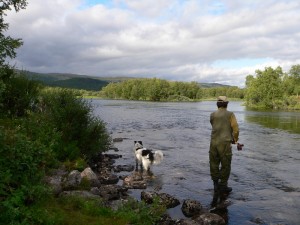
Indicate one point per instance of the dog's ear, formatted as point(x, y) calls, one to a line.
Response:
point(140, 142)
point(134, 142)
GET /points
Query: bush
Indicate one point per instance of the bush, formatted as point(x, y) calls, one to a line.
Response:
point(18, 94)
point(22, 167)
point(82, 134)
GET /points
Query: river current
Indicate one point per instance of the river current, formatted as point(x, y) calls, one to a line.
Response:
point(265, 175)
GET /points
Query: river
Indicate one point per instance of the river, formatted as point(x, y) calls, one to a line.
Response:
point(265, 175)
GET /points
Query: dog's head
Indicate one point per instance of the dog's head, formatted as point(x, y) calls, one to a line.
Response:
point(138, 145)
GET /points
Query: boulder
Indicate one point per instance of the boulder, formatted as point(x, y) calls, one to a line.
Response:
point(164, 198)
point(110, 192)
point(72, 180)
point(108, 178)
point(55, 178)
point(134, 181)
point(188, 222)
point(89, 174)
point(210, 219)
point(191, 207)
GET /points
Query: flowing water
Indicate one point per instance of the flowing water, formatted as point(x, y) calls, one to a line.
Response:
point(265, 175)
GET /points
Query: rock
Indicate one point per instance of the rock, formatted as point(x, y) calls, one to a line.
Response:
point(109, 192)
point(188, 222)
point(168, 200)
point(166, 220)
point(55, 183)
point(134, 181)
point(108, 178)
point(89, 174)
point(127, 168)
point(164, 198)
point(210, 219)
point(72, 180)
point(191, 207)
point(113, 156)
point(118, 139)
point(55, 178)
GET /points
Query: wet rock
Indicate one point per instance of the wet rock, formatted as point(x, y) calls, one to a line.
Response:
point(114, 149)
point(72, 180)
point(191, 207)
point(112, 156)
point(118, 139)
point(188, 222)
point(110, 192)
point(135, 181)
point(166, 220)
point(108, 178)
point(164, 198)
point(210, 219)
point(120, 168)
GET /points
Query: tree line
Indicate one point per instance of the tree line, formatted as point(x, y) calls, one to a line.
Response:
point(274, 89)
point(154, 89)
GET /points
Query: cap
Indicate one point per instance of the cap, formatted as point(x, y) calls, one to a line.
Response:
point(222, 99)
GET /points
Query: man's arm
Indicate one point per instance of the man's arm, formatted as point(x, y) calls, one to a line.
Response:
point(235, 128)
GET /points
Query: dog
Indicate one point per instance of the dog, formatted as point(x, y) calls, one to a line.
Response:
point(146, 157)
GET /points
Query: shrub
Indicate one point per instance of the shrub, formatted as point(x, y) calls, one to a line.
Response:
point(22, 167)
point(82, 134)
point(18, 94)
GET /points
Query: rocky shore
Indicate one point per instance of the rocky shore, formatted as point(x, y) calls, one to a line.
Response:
point(105, 182)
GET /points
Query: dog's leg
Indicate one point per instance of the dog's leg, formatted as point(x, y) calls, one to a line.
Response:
point(136, 164)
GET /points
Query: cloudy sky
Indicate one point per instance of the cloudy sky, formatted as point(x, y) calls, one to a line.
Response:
point(185, 40)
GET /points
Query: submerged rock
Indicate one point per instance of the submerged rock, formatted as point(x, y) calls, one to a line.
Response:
point(135, 181)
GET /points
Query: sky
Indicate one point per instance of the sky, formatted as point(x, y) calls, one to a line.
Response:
point(216, 41)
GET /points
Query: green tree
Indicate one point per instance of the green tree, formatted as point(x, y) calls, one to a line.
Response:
point(294, 73)
point(8, 45)
point(266, 90)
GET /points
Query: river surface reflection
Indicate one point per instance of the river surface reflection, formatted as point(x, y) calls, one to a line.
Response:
point(265, 176)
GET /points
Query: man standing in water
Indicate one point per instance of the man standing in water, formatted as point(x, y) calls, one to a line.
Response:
point(225, 131)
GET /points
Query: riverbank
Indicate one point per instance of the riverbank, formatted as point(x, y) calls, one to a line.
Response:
point(105, 184)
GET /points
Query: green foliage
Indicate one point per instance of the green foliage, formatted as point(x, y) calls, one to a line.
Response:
point(141, 213)
point(161, 90)
point(81, 133)
point(273, 89)
point(22, 167)
point(75, 210)
point(8, 45)
point(19, 95)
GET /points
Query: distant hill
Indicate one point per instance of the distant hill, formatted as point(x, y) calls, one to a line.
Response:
point(85, 82)
point(72, 80)
point(212, 85)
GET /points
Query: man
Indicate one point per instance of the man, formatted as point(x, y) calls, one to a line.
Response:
point(225, 131)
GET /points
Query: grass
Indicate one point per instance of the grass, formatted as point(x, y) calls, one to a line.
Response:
point(74, 210)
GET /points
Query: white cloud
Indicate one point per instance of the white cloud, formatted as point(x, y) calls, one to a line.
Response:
point(172, 39)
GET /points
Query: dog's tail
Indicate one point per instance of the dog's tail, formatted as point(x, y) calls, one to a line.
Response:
point(158, 157)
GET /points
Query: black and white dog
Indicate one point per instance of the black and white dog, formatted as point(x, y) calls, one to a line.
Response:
point(145, 157)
